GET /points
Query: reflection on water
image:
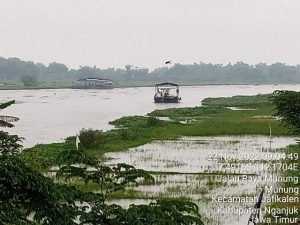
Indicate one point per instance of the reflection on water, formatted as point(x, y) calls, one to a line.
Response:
point(51, 115)
point(197, 177)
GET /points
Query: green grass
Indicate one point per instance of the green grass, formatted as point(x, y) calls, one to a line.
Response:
point(239, 101)
point(188, 112)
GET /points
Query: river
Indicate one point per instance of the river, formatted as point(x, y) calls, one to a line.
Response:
point(50, 115)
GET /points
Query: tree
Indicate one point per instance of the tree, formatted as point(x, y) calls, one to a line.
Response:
point(287, 107)
point(5, 121)
point(57, 68)
point(86, 72)
point(9, 144)
point(91, 139)
point(162, 212)
point(29, 80)
point(25, 193)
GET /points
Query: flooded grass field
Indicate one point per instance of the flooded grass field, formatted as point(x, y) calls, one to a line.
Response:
point(198, 168)
point(195, 167)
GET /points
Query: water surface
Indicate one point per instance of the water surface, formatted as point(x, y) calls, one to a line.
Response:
point(190, 155)
point(51, 115)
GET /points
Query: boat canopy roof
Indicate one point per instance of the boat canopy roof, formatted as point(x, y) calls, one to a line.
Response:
point(93, 79)
point(167, 84)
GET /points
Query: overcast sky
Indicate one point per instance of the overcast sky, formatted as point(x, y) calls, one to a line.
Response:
point(146, 33)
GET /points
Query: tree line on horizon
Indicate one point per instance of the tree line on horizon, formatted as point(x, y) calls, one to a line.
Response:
point(30, 73)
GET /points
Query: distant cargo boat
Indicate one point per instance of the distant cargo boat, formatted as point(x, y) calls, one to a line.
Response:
point(164, 93)
point(93, 83)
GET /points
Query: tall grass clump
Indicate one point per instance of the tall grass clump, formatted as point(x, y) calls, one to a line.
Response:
point(91, 139)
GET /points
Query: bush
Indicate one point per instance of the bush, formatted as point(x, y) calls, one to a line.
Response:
point(287, 105)
point(30, 81)
point(91, 139)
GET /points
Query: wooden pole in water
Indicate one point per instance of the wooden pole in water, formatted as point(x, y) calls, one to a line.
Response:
point(270, 128)
point(255, 215)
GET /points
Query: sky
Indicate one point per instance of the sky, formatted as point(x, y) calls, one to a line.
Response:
point(146, 33)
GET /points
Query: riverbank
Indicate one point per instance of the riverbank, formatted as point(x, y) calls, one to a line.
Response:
point(67, 85)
